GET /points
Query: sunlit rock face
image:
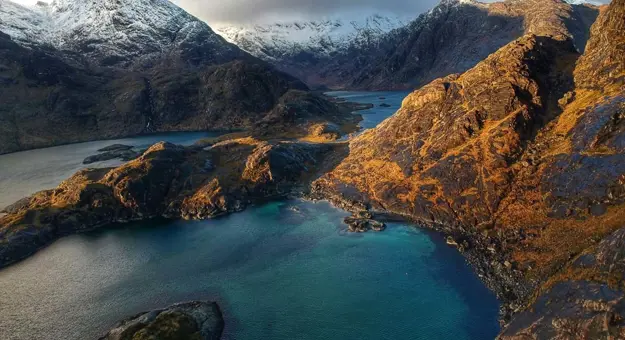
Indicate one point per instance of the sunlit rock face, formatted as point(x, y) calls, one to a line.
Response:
point(520, 157)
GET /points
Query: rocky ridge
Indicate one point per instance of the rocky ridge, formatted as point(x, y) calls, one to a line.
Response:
point(166, 181)
point(453, 37)
point(519, 159)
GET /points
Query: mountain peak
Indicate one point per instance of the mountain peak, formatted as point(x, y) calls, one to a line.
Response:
point(113, 32)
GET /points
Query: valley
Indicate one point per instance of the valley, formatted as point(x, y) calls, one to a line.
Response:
point(496, 148)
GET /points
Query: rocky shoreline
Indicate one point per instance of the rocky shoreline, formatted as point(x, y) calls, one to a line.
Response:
point(482, 255)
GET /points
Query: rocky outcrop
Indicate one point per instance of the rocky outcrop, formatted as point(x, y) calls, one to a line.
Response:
point(167, 180)
point(197, 320)
point(575, 304)
point(603, 65)
point(121, 152)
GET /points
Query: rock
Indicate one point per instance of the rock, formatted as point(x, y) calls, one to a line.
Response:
point(567, 99)
point(385, 105)
point(196, 320)
point(363, 214)
point(451, 241)
point(116, 147)
point(572, 310)
point(208, 166)
point(122, 154)
point(362, 225)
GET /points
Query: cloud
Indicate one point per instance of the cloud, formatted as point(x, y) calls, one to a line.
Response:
point(255, 11)
point(251, 11)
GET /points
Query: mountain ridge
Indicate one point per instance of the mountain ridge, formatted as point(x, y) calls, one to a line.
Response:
point(450, 38)
point(85, 70)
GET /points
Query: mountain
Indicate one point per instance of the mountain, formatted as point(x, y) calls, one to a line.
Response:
point(452, 37)
point(117, 33)
point(519, 160)
point(292, 45)
point(74, 71)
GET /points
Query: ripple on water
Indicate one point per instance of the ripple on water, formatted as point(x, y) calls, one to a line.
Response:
point(283, 270)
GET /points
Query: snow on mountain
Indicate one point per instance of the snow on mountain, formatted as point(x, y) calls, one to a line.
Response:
point(272, 42)
point(110, 31)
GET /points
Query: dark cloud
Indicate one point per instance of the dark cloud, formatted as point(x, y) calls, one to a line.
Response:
point(253, 11)
point(245, 11)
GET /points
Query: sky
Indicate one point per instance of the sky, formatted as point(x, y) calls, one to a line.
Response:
point(241, 12)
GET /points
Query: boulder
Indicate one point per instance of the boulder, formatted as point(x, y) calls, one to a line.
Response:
point(362, 225)
point(197, 320)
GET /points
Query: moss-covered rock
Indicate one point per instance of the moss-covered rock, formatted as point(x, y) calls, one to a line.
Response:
point(196, 320)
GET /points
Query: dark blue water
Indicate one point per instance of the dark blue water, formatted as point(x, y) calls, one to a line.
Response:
point(377, 114)
point(281, 271)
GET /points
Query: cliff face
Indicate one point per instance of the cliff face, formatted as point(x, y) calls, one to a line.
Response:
point(64, 81)
point(521, 157)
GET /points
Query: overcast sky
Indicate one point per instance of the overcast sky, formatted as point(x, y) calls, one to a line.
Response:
point(242, 11)
point(217, 12)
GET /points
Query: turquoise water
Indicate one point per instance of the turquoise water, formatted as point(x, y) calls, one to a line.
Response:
point(281, 271)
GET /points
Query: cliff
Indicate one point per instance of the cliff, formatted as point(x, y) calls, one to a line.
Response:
point(519, 159)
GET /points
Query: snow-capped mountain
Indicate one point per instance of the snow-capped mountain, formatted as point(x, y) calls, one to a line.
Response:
point(317, 38)
point(384, 53)
point(79, 70)
point(113, 32)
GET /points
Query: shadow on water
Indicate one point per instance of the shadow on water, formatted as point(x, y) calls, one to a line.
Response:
point(471, 289)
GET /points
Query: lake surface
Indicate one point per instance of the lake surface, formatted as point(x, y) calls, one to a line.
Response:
point(281, 271)
point(24, 173)
point(377, 114)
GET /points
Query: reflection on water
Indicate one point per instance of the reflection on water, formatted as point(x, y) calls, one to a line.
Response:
point(281, 271)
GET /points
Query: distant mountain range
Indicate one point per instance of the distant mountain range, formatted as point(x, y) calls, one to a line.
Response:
point(323, 38)
point(381, 52)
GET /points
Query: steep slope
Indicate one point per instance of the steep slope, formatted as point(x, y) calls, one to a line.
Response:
point(458, 34)
point(451, 38)
point(76, 71)
point(117, 33)
point(520, 159)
